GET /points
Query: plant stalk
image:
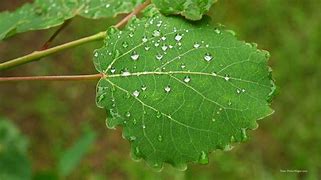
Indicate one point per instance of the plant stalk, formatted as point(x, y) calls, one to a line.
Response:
point(53, 78)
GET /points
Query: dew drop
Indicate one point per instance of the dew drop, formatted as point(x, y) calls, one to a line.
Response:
point(127, 114)
point(203, 158)
point(214, 74)
point(156, 44)
point(164, 47)
point(163, 38)
point(132, 138)
point(187, 79)
point(178, 37)
point(144, 127)
point(134, 56)
point(159, 56)
point(113, 70)
point(131, 34)
point(159, 114)
point(156, 33)
point(125, 73)
point(196, 45)
point(217, 31)
point(238, 91)
point(167, 89)
point(144, 39)
point(183, 66)
point(227, 77)
point(125, 44)
point(208, 57)
point(107, 5)
point(160, 138)
point(96, 54)
point(134, 122)
point(101, 97)
point(147, 48)
point(136, 93)
point(213, 119)
point(144, 87)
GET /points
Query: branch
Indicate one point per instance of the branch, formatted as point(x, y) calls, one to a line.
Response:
point(37, 55)
point(53, 78)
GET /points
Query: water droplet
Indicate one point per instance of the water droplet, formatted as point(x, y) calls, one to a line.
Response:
point(107, 5)
point(131, 34)
point(196, 45)
point(125, 44)
point(136, 93)
point(238, 91)
point(187, 79)
point(163, 38)
point(208, 57)
point(227, 147)
point(232, 139)
point(147, 48)
point(183, 66)
point(164, 47)
point(132, 138)
point(203, 159)
point(213, 119)
point(134, 56)
point(96, 54)
point(214, 74)
point(156, 44)
point(144, 87)
point(144, 39)
point(159, 56)
point(134, 122)
point(144, 127)
point(160, 138)
point(243, 90)
point(229, 103)
point(127, 114)
point(101, 97)
point(217, 31)
point(125, 73)
point(159, 114)
point(227, 77)
point(178, 37)
point(167, 89)
point(156, 33)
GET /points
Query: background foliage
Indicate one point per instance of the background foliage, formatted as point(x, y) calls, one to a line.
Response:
point(52, 114)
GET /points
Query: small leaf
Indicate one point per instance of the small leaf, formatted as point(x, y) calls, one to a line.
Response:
point(190, 89)
point(44, 14)
point(191, 9)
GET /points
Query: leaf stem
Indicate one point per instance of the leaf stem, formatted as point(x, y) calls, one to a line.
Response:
point(37, 55)
point(53, 78)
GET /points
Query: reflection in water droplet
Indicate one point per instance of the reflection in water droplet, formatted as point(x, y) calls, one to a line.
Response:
point(136, 93)
point(96, 54)
point(163, 38)
point(131, 34)
point(127, 114)
point(213, 119)
point(178, 37)
point(183, 66)
point(160, 138)
point(159, 114)
point(238, 91)
point(134, 56)
point(203, 158)
point(208, 57)
point(167, 89)
point(187, 79)
point(134, 122)
point(144, 127)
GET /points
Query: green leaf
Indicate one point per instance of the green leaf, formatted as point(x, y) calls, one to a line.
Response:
point(14, 163)
point(180, 89)
point(44, 14)
point(190, 9)
point(72, 156)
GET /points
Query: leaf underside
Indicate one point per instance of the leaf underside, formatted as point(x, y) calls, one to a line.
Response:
point(180, 89)
point(190, 9)
point(44, 14)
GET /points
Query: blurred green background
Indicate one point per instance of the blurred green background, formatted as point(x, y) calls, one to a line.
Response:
point(59, 118)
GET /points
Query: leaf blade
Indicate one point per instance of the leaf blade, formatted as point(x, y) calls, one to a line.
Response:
point(181, 89)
